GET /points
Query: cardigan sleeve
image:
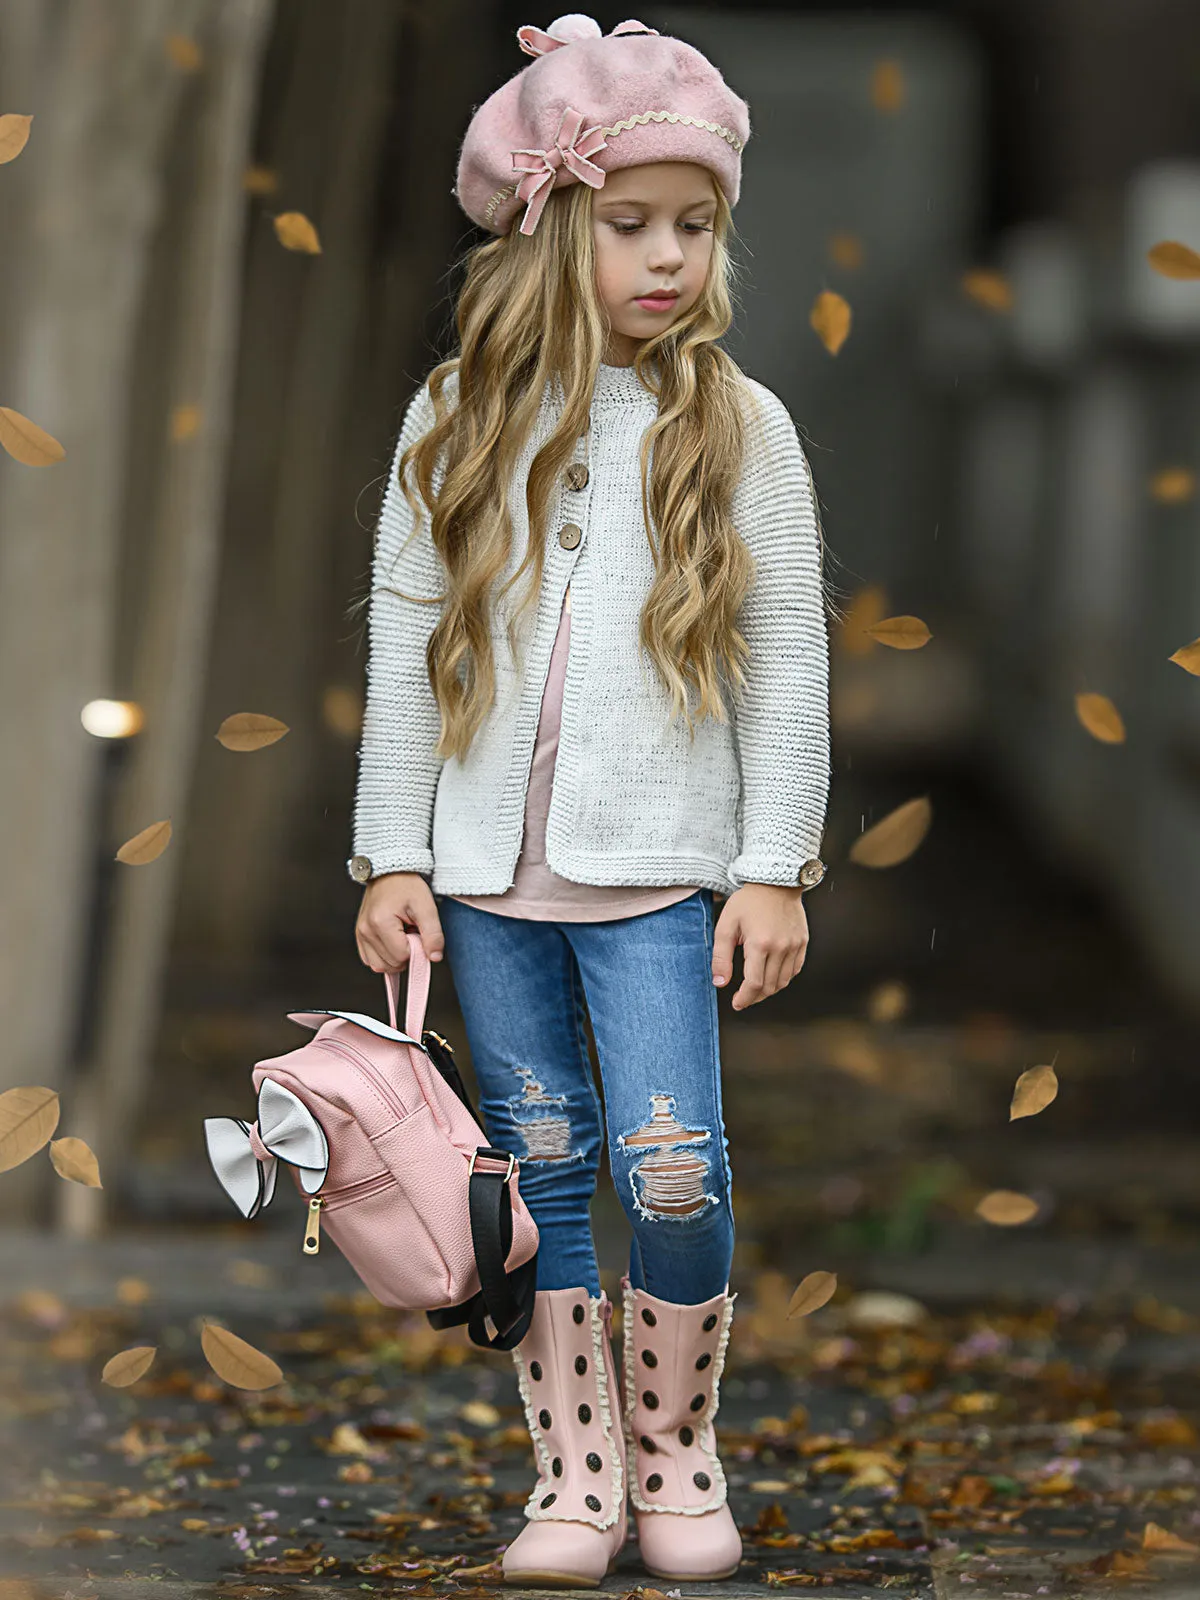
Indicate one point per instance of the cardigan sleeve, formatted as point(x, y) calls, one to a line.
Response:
point(782, 720)
point(398, 768)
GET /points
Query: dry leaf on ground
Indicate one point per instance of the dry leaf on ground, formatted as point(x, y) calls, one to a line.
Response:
point(1006, 1208)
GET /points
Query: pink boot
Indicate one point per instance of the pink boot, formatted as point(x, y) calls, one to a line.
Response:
point(577, 1512)
point(673, 1360)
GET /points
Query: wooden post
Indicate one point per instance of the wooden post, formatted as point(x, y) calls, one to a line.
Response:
point(103, 93)
point(174, 642)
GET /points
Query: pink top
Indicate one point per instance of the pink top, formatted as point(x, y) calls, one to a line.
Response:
point(536, 892)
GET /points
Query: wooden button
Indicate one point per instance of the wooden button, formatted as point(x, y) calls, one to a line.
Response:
point(569, 535)
point(577, 475)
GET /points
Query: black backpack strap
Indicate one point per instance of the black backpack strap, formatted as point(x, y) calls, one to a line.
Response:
point(505, 1299)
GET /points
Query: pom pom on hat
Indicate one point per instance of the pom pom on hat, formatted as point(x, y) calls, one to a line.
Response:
point(563, 30)
point(589, 104)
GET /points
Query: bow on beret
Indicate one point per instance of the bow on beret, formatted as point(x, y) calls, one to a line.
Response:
point(245, 1156)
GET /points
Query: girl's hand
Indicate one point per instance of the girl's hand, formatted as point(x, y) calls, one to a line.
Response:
point(769, 921)
point(389, 904)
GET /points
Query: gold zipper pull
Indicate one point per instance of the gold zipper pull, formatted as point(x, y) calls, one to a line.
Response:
point(312, 1234)
point(445, 1043)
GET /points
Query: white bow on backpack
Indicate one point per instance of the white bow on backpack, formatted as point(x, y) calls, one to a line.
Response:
point(245, 1156)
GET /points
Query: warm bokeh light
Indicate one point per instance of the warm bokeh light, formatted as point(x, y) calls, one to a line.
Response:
point(112, 719)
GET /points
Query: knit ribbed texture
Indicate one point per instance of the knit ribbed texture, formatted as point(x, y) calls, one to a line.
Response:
point(634, 802)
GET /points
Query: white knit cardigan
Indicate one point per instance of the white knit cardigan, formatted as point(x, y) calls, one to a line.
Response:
point(633, 801)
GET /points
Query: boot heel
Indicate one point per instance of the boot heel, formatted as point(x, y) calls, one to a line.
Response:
point(674, 1355)
point(576, 1516)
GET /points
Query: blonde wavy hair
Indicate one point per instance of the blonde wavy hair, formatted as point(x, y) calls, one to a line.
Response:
point(529, 312)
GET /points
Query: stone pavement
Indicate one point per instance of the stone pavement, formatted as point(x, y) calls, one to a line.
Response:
point(996, 1449)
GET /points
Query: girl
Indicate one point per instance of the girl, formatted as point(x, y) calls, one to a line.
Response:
point(534, 794)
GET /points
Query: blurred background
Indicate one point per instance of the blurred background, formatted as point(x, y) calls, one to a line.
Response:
point(231, 254)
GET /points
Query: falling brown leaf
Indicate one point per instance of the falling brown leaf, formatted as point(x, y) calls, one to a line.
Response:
point(865, 609)
point(14, 135)
point(250, 730)
point(894, 837)
point(830, 318)
point(887, 86)
point(295, 232)
point(260, 180)
point(1006, 1208)
point(183, 52)
point(145, 846)
point(1034, 1091)
point(185, 422)
point(237, 1362)
point(888, 1001)
point(852, 1048)
point(1188, 657)
point(987, 288)
point(342, 710)
point(127, 1366)
point(1156, 1538)
point(1172, 485)
point(1174, 260)
point(75, 1160)
point(28, 1118)
point(902, 633)
point(26, 442)
point(1100, 717)
point(813, 1292)
point(846, 250)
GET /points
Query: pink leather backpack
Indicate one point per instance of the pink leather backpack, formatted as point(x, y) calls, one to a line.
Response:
point(383, 1142)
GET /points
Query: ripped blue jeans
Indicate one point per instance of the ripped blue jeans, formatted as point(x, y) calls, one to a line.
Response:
point(647, 983)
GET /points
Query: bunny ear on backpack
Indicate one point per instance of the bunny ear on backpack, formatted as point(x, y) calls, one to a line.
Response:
point(314, 1019)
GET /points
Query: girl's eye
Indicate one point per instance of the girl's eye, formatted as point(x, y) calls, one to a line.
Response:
point(633, 227)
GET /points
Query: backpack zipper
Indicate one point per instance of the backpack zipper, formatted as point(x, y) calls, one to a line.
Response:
point(312, 1230)
point(338, 1197)
point(371, 1072)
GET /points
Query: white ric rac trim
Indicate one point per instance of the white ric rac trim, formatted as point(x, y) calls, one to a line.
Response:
point(533, 1511)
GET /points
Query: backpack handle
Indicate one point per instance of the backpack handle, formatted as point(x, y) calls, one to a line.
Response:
point(419, 967)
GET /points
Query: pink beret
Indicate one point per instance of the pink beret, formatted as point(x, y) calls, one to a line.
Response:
point(591, 103)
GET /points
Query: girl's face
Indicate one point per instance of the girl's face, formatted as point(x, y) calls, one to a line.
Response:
point(653, 227)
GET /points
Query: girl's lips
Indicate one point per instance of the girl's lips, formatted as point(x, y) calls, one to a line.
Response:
point(657, 302)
